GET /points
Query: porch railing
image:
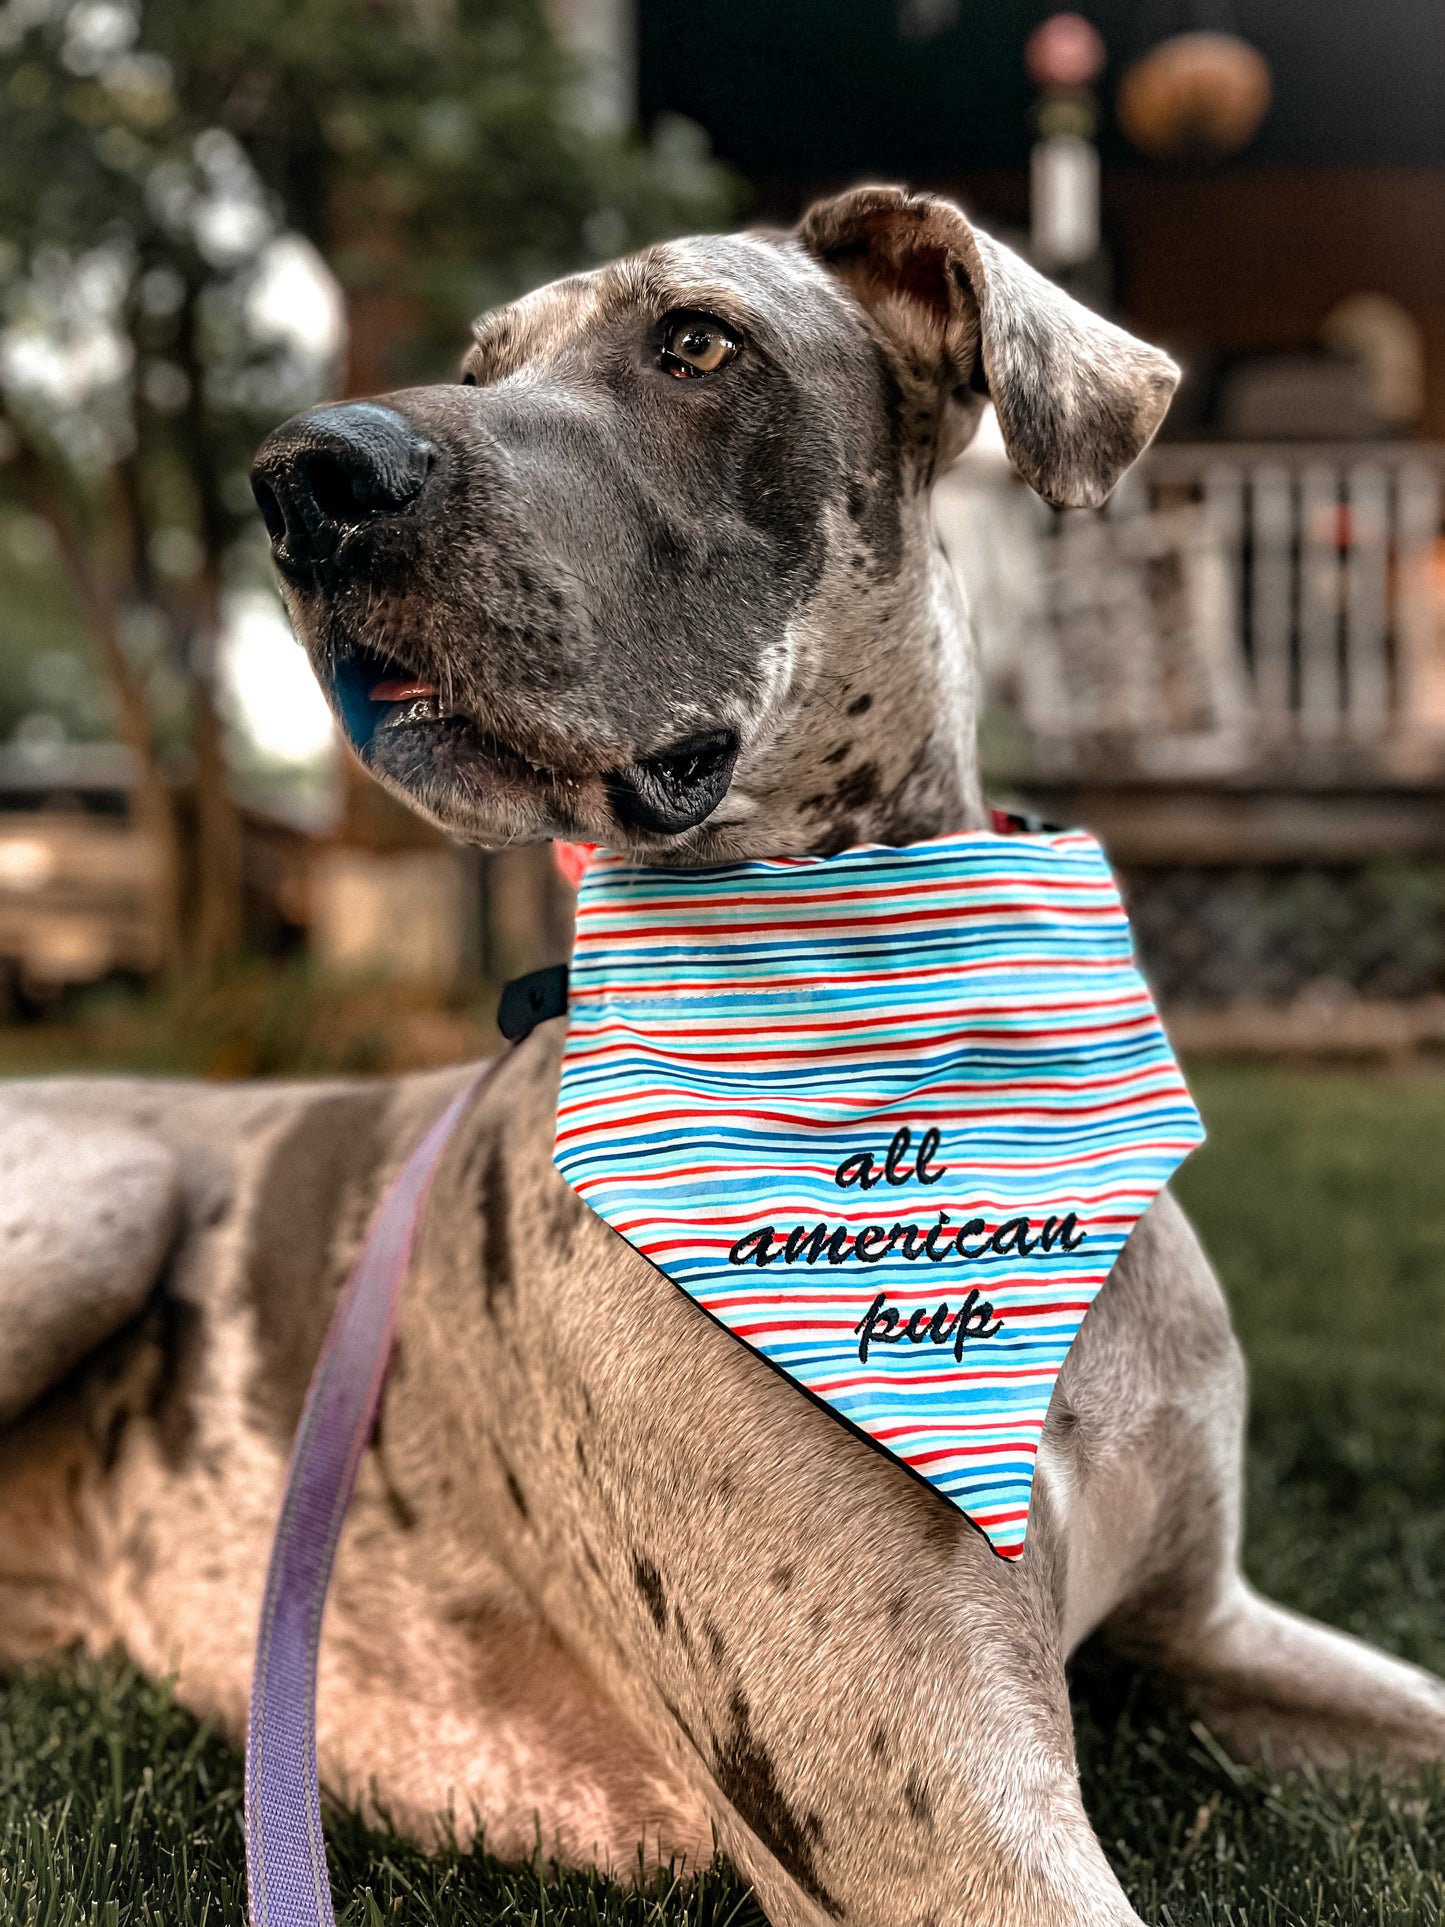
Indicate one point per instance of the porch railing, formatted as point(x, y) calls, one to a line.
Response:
point(1234, 607)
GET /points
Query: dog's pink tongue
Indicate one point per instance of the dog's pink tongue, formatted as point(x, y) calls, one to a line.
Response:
point(401, 689)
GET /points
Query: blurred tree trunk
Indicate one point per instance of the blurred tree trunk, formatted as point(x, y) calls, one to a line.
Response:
point(199, 853)
point(218, 924)
point(382, 311)
point(154, 802)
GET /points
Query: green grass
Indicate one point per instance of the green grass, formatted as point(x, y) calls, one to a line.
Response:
point(1320, 1196)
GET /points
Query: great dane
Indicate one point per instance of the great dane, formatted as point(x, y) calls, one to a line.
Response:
point(657, 572)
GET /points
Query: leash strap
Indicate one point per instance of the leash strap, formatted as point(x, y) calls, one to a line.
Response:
point(286, 1875)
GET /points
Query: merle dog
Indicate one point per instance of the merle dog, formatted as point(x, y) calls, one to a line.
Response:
point(656, 572)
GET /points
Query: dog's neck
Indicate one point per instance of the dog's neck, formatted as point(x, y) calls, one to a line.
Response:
point(877, 742)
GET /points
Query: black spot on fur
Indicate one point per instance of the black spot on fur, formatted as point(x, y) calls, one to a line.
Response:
point(782, 1577)
point(717, 1646)
point(920, 1801)
point(857, 788)
point(561, 1214)
point(897, 1606)
point(860, 705)
point(311, 1206)
point(854, 791)
point(648, 1581)
point(905, 815)
point(581, 1457)
point(514, 1489)
point(494, 1201)
point(171, 1405)
point(875, 494)
point(842, 836)
point(399, 1506)
point(684, 1636)
point(680, 1720)
point(838, 755)
point(110, 1444)
point(748, 1779)
point(403, 1513)
point(878, 1743)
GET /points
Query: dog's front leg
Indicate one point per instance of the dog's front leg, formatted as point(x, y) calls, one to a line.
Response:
point(870, 1703)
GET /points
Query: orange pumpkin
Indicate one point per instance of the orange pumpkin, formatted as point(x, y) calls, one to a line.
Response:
point(1195, 94)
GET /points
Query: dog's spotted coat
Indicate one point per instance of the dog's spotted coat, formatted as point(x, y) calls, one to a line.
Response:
point(605, 1574)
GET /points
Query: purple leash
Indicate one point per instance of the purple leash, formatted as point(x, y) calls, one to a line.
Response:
point(286, 1876)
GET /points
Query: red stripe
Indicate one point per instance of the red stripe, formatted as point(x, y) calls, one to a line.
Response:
point(654, 1041)
point(968, 1451)
point(797, 1121)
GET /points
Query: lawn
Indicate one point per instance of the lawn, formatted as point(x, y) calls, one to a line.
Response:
point(1320, 1196)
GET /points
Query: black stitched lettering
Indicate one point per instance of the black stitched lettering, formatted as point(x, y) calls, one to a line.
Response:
point(813, 1243)
point(897, 1149)
point(967, 1231)
point(928, 1144)
point(880, 1324)
point(1012, 1235)
point(861, 1242)
point(912, 1243)
point(1060, 1231)
point(754, 1247)
point(856, 1169)
point(871, 1325)
point(930, 1241)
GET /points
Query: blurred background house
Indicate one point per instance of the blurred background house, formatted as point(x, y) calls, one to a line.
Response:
point(1235, 673)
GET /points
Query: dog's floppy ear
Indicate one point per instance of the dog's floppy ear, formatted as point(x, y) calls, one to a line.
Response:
point(1077, 398)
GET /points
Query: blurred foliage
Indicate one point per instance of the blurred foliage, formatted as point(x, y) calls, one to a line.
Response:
point(173, 174)
point(430, 147)
point(256, 1019)
point(49, 682)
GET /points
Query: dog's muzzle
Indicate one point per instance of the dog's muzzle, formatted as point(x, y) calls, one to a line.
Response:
point(345, 472)
point(321, 476)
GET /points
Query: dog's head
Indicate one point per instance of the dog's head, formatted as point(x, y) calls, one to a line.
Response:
point(657, 571)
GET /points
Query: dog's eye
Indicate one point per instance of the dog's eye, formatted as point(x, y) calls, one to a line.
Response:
point(697, 344)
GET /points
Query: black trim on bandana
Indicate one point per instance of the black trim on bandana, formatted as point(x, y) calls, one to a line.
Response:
point(528, 1001)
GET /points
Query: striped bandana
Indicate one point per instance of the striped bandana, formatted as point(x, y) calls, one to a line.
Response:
point(888, 1116)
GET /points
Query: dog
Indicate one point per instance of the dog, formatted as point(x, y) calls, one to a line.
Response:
point(657, 572)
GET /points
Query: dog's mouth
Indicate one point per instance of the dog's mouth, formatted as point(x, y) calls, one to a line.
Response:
point(402, 728)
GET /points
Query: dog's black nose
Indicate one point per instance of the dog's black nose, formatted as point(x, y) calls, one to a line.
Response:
point(319, 475)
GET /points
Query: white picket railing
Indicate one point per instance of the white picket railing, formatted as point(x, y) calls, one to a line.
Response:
point(1234, 607)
